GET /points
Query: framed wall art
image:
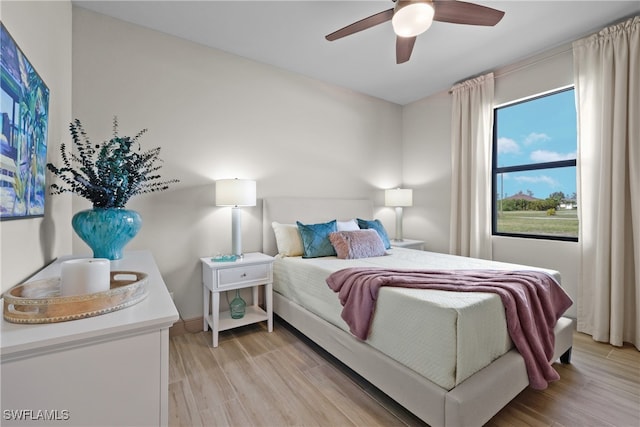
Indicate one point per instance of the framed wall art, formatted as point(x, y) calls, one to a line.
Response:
point(24, 120)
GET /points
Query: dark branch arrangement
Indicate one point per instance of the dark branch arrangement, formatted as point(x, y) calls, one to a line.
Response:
point(108, 174)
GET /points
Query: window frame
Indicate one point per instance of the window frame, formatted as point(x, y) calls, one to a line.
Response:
point(496, 171)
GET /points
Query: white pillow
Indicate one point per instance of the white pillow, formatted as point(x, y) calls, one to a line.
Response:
point(288, 239)
point(349, 225)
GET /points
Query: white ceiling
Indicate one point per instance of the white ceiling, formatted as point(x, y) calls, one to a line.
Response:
point(290, 35)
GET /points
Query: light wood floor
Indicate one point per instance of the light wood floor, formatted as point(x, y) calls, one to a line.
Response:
point(255, 378)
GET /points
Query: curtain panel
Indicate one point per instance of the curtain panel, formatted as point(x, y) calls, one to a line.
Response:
point(607, 79)
point(471, 148)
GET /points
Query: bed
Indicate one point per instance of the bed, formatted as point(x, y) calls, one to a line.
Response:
point(450, 374)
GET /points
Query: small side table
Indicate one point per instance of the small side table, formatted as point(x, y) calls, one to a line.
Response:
point(408, 243)
point(253, 270)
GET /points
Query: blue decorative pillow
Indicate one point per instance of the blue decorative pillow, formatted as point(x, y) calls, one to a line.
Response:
point(315, 239)
point(376, 225)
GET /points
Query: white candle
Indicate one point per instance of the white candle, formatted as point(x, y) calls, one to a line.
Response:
point(84, 276)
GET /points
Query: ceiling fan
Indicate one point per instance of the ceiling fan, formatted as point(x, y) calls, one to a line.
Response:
point(413, 17)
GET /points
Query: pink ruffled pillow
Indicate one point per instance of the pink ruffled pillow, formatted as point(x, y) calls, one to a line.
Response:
point(357, 244)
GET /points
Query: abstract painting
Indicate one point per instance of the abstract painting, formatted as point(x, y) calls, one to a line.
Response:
point(24, 117)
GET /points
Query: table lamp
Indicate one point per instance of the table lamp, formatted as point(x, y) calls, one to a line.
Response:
point(398, 198)
point(236, 193)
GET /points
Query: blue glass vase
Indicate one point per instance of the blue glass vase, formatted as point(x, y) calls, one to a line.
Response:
point(107, 230)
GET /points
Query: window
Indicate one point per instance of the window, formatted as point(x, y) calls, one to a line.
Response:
point(534, 168)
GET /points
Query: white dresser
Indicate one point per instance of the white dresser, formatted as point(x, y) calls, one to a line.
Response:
point(111, 369)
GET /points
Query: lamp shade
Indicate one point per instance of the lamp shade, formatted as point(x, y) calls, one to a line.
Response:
point(398, 197)
point(235, 192)
point(412, 17)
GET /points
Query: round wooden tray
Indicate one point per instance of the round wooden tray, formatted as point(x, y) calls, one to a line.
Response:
point(40, 301)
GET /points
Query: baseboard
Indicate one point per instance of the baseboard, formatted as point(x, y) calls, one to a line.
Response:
point(184, 326)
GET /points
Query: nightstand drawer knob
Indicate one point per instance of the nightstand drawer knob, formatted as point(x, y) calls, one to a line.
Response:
point(243, 275)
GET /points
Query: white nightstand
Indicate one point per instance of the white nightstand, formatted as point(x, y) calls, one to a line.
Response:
point(408, 243)
point(253, 270)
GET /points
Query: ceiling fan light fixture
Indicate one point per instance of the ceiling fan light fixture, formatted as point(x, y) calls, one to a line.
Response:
point(411, 18)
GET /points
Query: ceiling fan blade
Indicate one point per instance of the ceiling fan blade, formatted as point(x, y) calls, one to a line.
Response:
point(460, 12)
point(362, 24)
point(404, 47)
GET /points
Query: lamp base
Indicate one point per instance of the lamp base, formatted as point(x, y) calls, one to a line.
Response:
point(236, 232)
point(398, 224)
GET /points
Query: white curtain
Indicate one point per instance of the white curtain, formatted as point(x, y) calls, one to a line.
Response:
point(607, 78)
point(471, 141)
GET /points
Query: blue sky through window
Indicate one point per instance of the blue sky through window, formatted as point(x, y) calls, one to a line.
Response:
point(540, 130)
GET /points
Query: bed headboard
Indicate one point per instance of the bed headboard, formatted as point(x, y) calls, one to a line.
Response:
point(288, 210)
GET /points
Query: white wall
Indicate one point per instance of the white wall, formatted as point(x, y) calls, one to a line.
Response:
point(43, 31)
point(217, 115)
point(427, 165)
point(427, 169)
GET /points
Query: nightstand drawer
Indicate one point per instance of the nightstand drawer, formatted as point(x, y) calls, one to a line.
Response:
point(245, 274)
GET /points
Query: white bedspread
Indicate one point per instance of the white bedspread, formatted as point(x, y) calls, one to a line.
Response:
point(443, 336)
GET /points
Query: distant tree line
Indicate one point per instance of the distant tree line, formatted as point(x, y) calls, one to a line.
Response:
point(551, 202)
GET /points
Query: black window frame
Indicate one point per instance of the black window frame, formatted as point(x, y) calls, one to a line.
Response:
point(496, 171)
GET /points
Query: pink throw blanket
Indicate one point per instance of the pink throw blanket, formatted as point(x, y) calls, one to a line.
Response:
point(533, 303)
